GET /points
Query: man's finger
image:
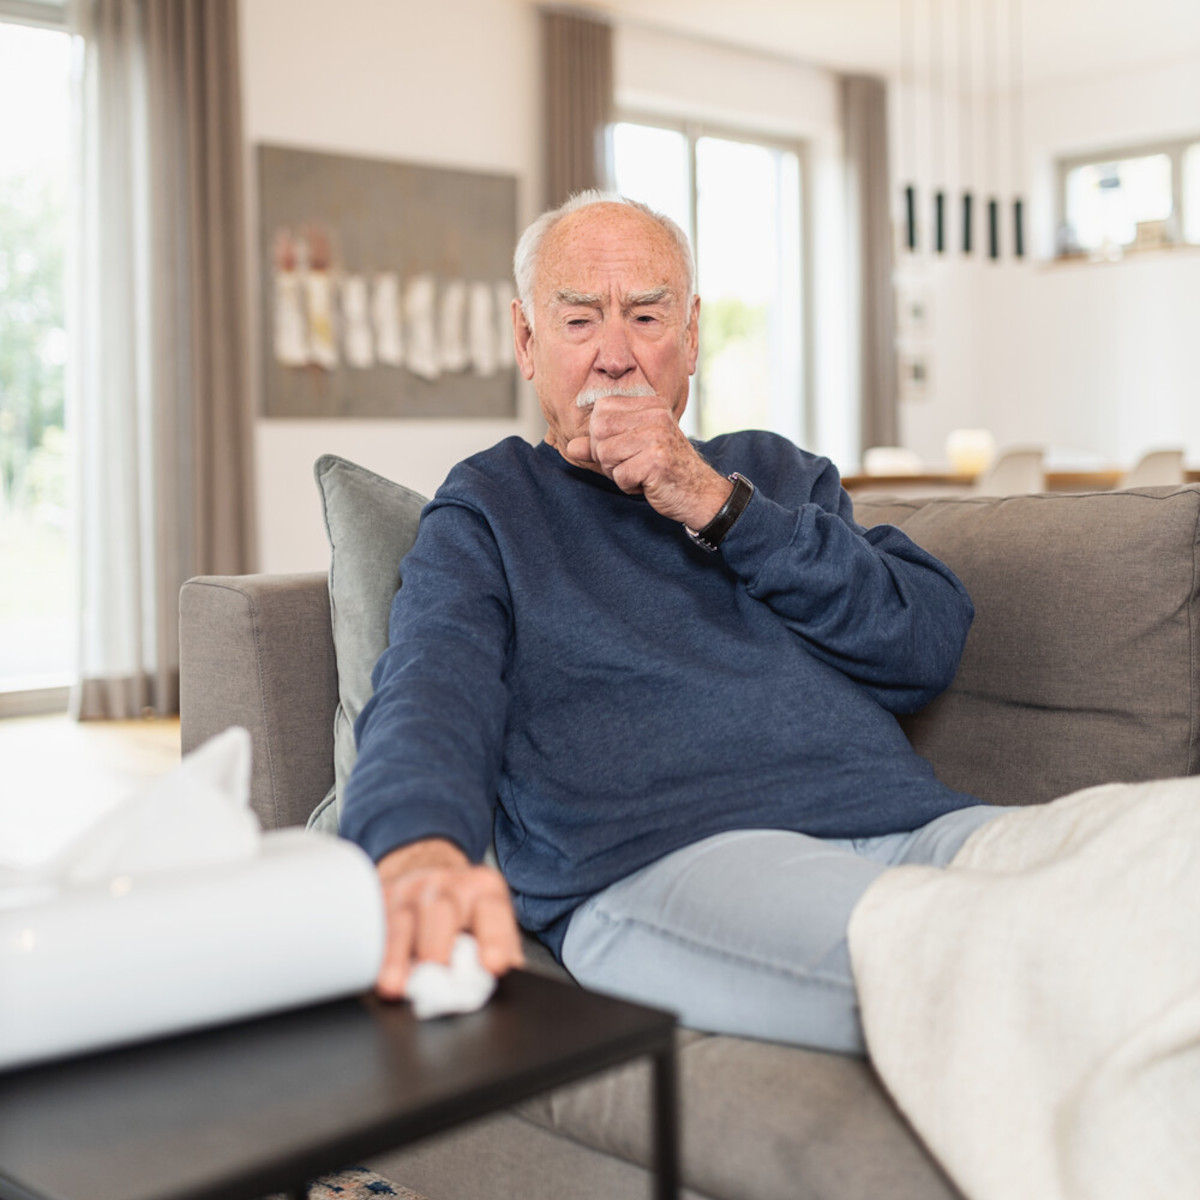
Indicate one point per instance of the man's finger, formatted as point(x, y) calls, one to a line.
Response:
point(438, 923)
point(497, 935)
point(397, 954)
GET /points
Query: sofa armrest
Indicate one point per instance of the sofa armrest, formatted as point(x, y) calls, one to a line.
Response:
point(257, 651)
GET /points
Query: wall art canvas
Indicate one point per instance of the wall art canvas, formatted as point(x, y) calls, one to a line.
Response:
point(386, 288)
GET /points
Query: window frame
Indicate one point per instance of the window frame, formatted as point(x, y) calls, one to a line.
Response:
point(1173, 148)
point(41, 14)
point(693, 128)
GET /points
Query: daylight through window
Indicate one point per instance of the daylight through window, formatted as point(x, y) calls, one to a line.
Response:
point(1145, 198)
point(740, 200)
point(35, 568)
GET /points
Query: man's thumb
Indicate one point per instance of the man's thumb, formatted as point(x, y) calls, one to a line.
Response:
point(580, 449)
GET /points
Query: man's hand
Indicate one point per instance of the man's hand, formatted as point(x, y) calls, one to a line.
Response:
point(636, 441)
point(432, 893)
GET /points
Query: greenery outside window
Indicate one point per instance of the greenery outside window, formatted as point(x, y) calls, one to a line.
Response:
point(35, 559)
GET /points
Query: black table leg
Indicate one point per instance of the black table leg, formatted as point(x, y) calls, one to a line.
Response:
point(666, 1124)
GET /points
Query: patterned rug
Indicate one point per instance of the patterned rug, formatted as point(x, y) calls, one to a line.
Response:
point(355, 1183)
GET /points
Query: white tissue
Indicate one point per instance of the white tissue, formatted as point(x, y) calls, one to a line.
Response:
point(461, 987)
point(174, 911)
point(195, 816)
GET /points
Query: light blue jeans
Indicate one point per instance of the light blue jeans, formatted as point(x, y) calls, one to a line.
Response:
point(745, 933)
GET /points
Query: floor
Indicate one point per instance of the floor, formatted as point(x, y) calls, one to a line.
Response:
point(59, 775)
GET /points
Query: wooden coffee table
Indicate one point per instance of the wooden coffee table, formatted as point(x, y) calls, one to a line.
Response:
point(263, 1106)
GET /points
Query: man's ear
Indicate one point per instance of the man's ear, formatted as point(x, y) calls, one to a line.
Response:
point(692, 333)
point(522, 340)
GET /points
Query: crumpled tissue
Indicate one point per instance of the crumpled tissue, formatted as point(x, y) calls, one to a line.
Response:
point(464, 985)
point(175, 911)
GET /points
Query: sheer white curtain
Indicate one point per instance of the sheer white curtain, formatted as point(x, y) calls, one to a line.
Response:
point(161, 424)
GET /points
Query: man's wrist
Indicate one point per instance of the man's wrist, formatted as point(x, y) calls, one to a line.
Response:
point(423, 855)
point(707, 500)
point(712, 534)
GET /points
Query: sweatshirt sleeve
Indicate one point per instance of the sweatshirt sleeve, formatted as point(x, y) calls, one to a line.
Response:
point(430, 738)
point(870, 602)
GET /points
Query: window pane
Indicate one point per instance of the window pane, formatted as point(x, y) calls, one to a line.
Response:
point(748, 252)
point(1105, 201)
point(35, 585)
point(651, 165)
point(748, 259)
point(1191, 193)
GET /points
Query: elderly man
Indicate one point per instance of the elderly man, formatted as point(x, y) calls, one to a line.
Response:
point(661, 674)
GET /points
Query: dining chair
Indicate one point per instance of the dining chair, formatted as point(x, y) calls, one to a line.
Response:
point(1017, 471)
point(1157, 467)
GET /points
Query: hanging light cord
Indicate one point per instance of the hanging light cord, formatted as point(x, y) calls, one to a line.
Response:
point(909, 127)
point(1016, 85)
point(966, 101)
point(1017, 134)
point(966, 120)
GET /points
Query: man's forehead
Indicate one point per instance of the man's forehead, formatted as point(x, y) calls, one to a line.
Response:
point(590, 249)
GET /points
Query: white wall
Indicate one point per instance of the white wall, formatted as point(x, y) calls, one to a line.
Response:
point(453, 83)
point(1098, 361)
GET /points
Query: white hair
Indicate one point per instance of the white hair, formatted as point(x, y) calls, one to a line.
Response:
point(528, 248)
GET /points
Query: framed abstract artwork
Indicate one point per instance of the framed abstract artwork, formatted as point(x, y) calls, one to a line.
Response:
point(386, 288)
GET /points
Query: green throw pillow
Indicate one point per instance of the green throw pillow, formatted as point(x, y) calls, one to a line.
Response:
point(372, 524)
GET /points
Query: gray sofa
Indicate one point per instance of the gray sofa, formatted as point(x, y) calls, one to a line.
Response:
point(1083, 666)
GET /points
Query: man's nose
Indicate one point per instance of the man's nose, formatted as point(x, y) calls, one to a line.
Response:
point(614, 356)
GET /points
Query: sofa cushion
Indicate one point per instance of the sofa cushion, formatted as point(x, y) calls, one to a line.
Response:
point(1081, 666)
point(758, 1120)
point(372, 524)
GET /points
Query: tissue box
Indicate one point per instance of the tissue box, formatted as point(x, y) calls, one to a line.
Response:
point(142, 956)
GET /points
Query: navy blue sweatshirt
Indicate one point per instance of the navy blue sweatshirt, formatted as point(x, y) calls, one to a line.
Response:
point(569, 674)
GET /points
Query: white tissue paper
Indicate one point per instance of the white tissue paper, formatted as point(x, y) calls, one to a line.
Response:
point(174, 911)
point(436, 990)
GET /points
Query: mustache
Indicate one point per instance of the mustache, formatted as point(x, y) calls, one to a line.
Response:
point(589, 396)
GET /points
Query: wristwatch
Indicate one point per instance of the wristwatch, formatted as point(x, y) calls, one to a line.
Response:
point(711, 536)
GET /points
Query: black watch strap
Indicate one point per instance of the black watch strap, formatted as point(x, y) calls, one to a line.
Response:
point(711, 536)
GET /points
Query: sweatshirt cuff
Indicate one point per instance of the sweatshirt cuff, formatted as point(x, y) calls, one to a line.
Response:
point(762, 530)
point(393, 827)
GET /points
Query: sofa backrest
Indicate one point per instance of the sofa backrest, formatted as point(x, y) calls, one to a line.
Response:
point(1082, 665)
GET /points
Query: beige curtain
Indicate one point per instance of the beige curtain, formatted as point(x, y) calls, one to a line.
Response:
point(577, 103)
point(868, 208)
point(160, 413)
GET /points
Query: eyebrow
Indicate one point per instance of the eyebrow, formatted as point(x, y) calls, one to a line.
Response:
point(571, 297)
point(568, 296)
point(654, 296)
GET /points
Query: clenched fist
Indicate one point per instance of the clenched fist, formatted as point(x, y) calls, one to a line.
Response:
point(637, 442)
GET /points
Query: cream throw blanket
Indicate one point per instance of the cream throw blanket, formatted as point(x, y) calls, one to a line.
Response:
point(1035, 1008)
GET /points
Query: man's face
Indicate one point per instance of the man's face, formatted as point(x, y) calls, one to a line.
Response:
point(611, 314)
